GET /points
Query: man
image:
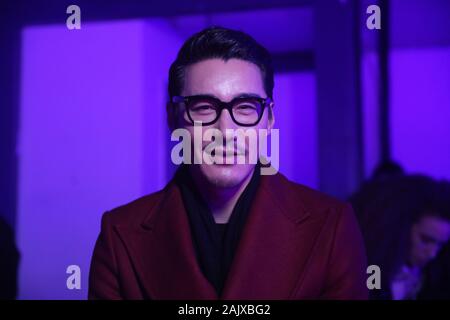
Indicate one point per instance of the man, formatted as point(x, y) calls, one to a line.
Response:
point(224, 231)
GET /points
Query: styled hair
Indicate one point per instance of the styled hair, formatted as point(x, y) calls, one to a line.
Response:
point(225, 44)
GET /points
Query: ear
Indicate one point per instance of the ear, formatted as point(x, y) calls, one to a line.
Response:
point(271, 117)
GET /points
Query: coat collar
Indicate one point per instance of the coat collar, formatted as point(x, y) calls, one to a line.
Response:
point(269, 263)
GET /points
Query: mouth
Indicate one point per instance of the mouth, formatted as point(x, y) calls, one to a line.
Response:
point(227, 152)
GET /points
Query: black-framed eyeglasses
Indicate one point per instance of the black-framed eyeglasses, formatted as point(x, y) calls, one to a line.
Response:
point(245, 111)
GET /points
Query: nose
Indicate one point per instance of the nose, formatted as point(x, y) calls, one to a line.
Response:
point(225, 121)
point(432, 251)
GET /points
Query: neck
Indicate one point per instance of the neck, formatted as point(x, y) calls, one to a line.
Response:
point(221, 200)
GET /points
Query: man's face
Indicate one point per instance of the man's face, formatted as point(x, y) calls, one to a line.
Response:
point(225, 81)
point(428, 235)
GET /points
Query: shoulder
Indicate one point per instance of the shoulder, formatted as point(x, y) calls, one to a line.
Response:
point(294, 196)
point(134, 213)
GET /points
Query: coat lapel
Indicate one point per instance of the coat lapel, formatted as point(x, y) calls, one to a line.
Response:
point(269, 262)
point(163, 255)
point(276, 243)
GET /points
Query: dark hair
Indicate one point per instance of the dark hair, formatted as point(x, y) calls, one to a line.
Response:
point(222, 43)
point(387, 208)
point(387, 169)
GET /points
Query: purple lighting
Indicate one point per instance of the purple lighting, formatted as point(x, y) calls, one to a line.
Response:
point(93, 136)
point(420, 110)
point(92, 105)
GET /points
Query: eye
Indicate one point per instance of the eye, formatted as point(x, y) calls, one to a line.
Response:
point(202, 108)
point(426, 239)
point(246, 108)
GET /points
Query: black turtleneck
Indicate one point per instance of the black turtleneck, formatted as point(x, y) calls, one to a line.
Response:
point(215, 243)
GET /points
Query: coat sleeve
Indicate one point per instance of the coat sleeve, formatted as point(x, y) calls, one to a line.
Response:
point(346, 277)
point(103, 279)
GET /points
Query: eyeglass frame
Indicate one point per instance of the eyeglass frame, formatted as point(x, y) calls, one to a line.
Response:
point(221, 106)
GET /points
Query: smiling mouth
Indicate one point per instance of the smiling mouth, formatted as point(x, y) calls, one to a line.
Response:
point(227, 153)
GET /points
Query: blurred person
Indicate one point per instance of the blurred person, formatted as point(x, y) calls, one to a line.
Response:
point(437, 273)
point(386, 170)
point(225, 231)
point(405, 222)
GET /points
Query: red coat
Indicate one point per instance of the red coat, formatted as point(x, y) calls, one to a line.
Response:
point(297, 244)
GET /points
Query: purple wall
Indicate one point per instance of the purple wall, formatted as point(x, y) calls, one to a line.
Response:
point(88, 140)
point(420, 109)
point(419, 85)
point(295, 116)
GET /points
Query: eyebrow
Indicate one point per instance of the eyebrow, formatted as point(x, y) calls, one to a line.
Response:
point(239, 95)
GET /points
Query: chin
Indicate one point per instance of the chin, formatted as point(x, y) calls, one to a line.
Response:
point(226, 176)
